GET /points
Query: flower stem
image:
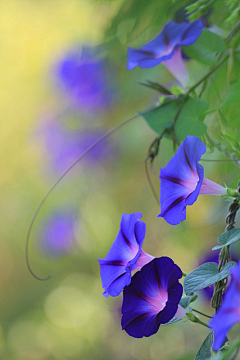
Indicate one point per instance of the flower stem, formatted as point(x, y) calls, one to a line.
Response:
point(233, 32)
point(224, 256)
point(199, 312)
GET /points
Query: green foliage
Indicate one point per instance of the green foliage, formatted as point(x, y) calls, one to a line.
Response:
point(228, 238)
point(188, 121)
point(205, 350)
point(156, 86)
point(161, 117)
point(205, 275)
point(186, 300)
point(205, 49)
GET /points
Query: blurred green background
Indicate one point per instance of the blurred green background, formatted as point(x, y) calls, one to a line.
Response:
point(67, 317)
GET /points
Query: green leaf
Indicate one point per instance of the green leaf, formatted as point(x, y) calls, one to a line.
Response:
point(161, 117)
point(205, 350)
point(205, 275)
point(230, 108)
point(205, 48)
point(225, 126)
point(233, 97)
point(186, 300)
point(228, 238)
point(188, 120)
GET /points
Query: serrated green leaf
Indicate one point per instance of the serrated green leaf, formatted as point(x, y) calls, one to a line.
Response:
point(205, 275)
point(205, 349)
point(228, 238)
point(186, 300)
point(205, 48)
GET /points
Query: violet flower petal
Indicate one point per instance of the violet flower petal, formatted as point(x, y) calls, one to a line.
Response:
point(182, 180)
point(229, 313)
point(163, 46)
point(124, 255)
point(152, 298)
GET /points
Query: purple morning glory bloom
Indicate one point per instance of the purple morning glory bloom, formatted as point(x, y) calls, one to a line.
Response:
point(166, 48)
point(152, 298)
point(182, 180)
point(229, 313)
point(124, 256)
point(86, 78)
point(56, 237)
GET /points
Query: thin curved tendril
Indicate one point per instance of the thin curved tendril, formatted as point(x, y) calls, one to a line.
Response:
point(103, 137)
point(150, 182)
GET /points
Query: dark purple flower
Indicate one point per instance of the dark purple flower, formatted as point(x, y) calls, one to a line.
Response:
point(182, 180)
point(65, 144)
point(56, 237)
point(124, 256)
point(152, 298)
point(229, 313)
point(87, 79)
point(166, 48)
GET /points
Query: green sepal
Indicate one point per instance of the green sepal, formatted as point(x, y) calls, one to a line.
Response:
point(186, 300)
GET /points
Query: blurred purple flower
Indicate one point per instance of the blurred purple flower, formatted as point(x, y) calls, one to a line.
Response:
point(65, 144)
point(229, 313)
point(152, 298)
point(87, 79)
point(182, 180)
point(124, 256)
point(166, 48)
point(56, 237)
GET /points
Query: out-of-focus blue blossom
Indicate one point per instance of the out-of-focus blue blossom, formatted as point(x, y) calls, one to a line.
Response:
point(229, 312)
point(152, 298)
point(65, 144)
point(87, 80)
point(57, 237)
point(182, 180)
point(124, 256)
point(166, 48)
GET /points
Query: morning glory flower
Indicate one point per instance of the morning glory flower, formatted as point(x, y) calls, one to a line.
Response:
point(166, 48)
point(86, 79)
point(229, 313)
point(152, 298)
point(182, 180)
point(56, 236)
point(124, 256)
